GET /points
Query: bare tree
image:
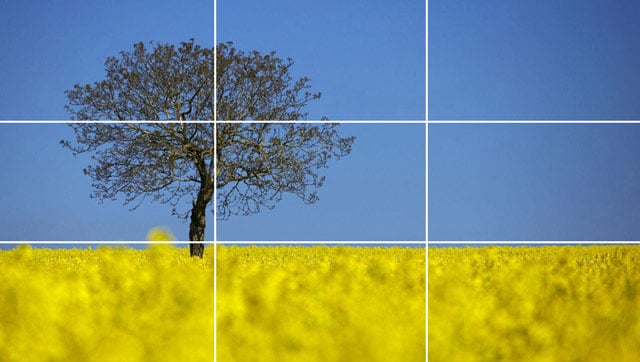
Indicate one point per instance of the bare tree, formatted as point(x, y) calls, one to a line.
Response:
point(254, 163)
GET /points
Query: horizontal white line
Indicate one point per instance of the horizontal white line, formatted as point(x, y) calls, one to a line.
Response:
point(399, 121)
point(97, 122)
point(321, 242)
point(209, 121)
point(101, 242)
point(533, 242)
point(330, 121)
point(210, 242)
point(532, 121)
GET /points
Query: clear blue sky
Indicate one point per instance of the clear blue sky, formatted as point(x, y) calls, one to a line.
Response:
point(532, 59)
point(534, 182)
point(47, 46)
point(366, 57)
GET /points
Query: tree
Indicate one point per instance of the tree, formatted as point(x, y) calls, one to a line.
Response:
point(253, 163)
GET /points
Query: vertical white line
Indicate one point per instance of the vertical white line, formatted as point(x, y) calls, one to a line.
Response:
point(215, 244)
point(426, 60)
point(426, 205)
point(215, 180)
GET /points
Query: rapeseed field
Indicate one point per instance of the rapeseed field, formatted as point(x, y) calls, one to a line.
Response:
point(321, 303)
point(552, 303)
point(106, 304)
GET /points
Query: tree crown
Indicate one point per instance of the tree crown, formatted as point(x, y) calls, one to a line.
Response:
point(253, 163)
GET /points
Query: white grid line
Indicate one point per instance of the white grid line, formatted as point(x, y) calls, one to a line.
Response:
point(346, 121)
point(331, 242)
point(543, 242)
point(137, 242)
point(489, 121)
point(106, 121)
point(426, 201)
point(426, 179)
point(215, 179)
point(215, 245)
point(318, 121)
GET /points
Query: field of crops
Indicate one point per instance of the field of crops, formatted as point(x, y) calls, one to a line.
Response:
point(106, 304)
point(320, 303)
point(567, 303)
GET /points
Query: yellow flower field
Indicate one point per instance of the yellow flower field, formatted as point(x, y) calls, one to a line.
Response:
point(566, 303)
point(321, 303)
point(106, 304)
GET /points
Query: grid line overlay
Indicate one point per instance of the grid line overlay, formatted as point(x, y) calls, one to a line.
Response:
point(426, 179)
point(544, 121)
point(215, 240)
point(315, 121)
point(329, 242)
point(215, 179)
point(543, 242)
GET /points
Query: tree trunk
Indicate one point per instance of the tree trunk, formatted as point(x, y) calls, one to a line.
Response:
point(196, 229)
point(199, 221)
point(196, 249)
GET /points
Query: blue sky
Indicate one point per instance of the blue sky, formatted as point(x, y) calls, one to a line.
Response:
point(534, 60)
point(534, 182)
point(525, 59)
point(47, 46)
point(366, 57)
